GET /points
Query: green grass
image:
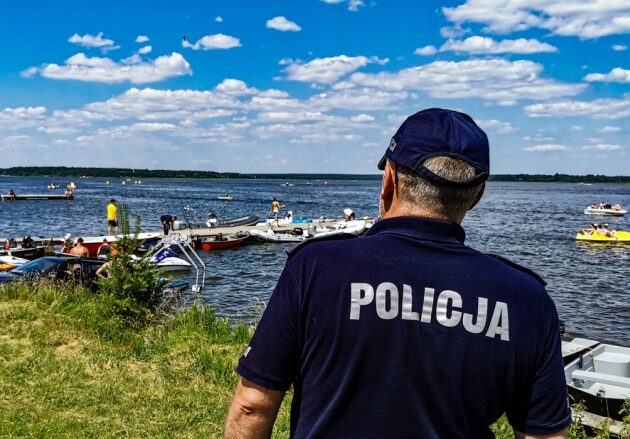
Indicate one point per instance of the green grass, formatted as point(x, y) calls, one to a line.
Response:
point(72, 366)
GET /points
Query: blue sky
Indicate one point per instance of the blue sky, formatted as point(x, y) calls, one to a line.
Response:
point(311, 85)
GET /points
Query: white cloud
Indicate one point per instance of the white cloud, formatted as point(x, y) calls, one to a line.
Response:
point(497, 80)
point(485, 45)
point(615, 75)
point(283, 25)
point(353, 5)
point(144, 50)
point(619, 47)
point(496, 125)
point(606, 108)
point(585, 19)
point(426, 51)
point(361, 118)
point(547, 147)
point(607, 147)
point(96, 41)
point(21, 117)
point(577, 128)
point(144, 126)
point(609, 129)
point(218, 19)
point(211, 42)
point(327, 70)
point(358, 99)
point(142, 39)
point(82, 68)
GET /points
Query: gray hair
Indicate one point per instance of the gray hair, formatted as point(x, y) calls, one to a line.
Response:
point(447, 202)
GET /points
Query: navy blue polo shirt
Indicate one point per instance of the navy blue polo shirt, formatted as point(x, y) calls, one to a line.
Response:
point(407, 332)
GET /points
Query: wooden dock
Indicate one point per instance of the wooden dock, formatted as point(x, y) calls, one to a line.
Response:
point(27, 197)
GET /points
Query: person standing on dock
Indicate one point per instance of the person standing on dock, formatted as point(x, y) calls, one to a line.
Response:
point(275, 210)
point(167, 222)
point(407, 332)
point(112, 218)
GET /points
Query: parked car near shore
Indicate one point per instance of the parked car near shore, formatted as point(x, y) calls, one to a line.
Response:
point(60, 267)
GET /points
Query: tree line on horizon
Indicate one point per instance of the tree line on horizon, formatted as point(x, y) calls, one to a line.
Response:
point(78, 172)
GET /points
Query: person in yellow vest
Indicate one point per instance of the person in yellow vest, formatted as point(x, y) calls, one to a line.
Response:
point(112, 222)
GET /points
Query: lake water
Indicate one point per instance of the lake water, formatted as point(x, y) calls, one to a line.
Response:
point(533, 224)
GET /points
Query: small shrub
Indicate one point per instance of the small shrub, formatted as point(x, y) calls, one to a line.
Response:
point(135, 283)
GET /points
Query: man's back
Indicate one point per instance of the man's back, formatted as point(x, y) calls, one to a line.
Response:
point(408, 333)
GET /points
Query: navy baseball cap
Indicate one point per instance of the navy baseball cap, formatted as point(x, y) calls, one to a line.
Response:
point(436, 132)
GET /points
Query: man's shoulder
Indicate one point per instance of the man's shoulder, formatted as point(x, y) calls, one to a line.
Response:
point(316, 243)
point(519, 268)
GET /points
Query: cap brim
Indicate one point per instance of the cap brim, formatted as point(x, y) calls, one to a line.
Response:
point(382, 162)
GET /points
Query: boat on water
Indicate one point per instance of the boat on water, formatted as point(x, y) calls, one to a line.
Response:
point(618, 237)
point(287, 220)
point(600, 376)
point(221, 241)
point(94, 242)
point(168, 260)
point(247, 220)
point(295, 235)
point(605, 211)
point(53, 186)
point(226, 197)
point(354, 227)
point(71, 185)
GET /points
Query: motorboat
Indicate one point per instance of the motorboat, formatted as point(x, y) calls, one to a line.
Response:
point(287, 220)
point(248, 220)
point(573, 347)
point(295, 235)
point(600, 377)
point(94, 242)
point(226, 197)
point(169, 261)
point(354, 227)
point(618, 237)
point(221, 241)
point(12, 261)
point(605, 211)
point(53, 186)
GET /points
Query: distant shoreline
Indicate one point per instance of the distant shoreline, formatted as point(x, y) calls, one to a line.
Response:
point(75, 172)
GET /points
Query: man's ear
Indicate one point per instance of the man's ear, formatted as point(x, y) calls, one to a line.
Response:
point(388, 188)
point(478, 197)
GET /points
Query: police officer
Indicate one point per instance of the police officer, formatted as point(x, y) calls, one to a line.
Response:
point(407, 332)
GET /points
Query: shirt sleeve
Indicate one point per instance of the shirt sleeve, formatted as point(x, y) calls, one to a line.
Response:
point(542, 407)
point(272, 358)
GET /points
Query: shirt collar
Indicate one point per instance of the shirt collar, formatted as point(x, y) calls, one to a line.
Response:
point(421, 228)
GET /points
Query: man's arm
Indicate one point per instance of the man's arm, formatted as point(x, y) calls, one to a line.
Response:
point(559, 435)
point(253, 411)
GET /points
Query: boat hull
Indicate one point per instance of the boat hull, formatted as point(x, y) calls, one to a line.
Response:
point(604, 212)
point(221, 243)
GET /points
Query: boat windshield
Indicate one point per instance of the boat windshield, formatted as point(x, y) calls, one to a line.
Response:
point(38, 266)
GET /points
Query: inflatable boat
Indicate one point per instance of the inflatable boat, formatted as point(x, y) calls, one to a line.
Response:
point(619, 237)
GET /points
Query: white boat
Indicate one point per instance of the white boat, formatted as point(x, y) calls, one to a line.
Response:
point(603, 211)
point(169, 261)
point(272, 236)
point(13, 260)
point(355, 227)
point(53, 186)
point(600, 376)
point(226, 197)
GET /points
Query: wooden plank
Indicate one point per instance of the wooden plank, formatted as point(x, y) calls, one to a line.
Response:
point(595, 421)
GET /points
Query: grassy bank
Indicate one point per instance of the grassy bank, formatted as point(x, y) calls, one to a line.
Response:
point(72, 366)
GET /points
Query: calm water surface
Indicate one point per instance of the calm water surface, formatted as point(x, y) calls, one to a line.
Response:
point(533, 224)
